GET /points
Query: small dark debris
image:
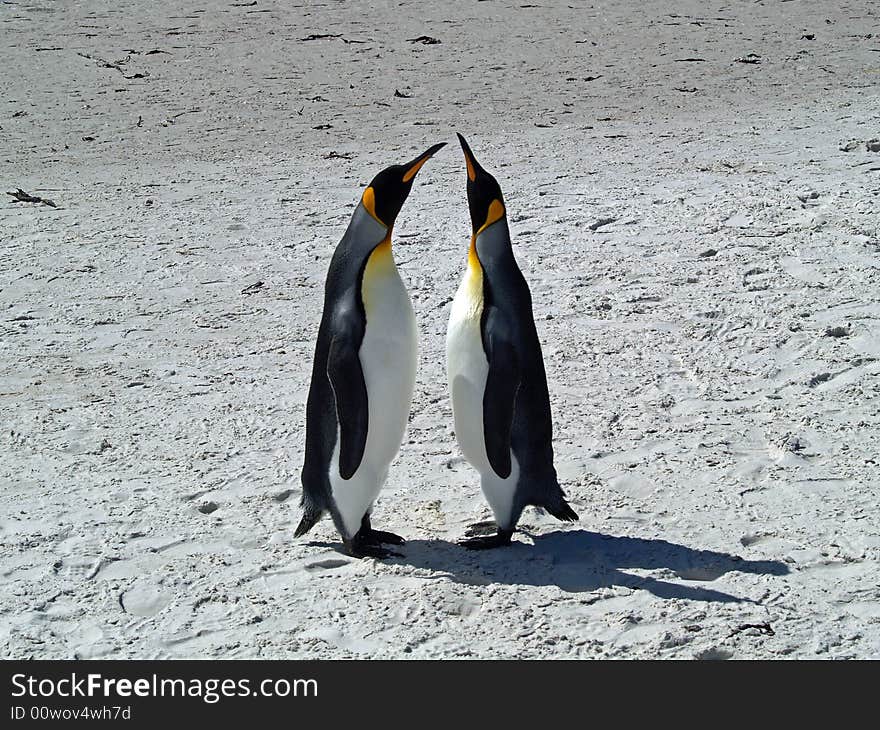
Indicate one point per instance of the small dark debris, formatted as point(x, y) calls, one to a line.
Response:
point(323, 126)
point(22, 197)
point(251, 288)
point(334, 155)
point(208, 507)
point(807, 196)
point(596, 225)
point(157, 50)
point(88, 139)
point(708, 253)
point(808, 37)
point(749, 58)
point(401, 95)
point(321, 36)
point(425, 40)
point(686, 89)
point(837, 332)
point(764, 629)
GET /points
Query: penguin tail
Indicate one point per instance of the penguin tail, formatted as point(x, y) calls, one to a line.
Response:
point(309, 520)
point(562, 511)
point(555, 504)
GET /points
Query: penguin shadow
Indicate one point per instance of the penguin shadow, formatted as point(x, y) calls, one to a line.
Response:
point(580, 561)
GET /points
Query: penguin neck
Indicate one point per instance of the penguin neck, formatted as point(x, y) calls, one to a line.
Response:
point(380, 281)
point(381, 256)
point(490, 246)
point(364, 235)
point(473, 263)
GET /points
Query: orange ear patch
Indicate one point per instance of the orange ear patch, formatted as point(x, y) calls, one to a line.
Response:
point(496, 213)
point(369, 202)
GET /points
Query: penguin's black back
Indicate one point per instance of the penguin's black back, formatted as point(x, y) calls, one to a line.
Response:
point(506, 290)
point(507, 299)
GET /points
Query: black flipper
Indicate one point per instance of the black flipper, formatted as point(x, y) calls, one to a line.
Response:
point(499, 397)
point(350, 391)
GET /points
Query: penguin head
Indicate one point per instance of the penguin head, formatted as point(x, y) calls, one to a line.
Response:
point(385, 195)
point(484, 193)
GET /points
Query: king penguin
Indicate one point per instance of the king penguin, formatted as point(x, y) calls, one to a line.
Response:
point(364, 370)
point(495, 368)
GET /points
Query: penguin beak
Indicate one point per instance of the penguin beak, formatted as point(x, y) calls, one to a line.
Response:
point(469, 159)
point(413, 167)
point(485, 201)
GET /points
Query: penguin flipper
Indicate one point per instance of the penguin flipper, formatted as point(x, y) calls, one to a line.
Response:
point(499, 396)
point(350, 391)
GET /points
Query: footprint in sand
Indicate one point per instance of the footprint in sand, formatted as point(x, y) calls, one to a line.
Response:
point(326, 565)
point(714, 654)
point(144, 599)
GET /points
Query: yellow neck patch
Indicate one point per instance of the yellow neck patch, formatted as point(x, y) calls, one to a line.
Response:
point(369, 202)
point(379, 265)
point(496, 213)
point(473, 259)
point(473, 282)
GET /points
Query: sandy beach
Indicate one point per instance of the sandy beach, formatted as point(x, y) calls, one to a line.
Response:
point(693, 194)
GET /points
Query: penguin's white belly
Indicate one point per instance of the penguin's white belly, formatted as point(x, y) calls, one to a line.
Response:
point(467, 369)
point(388, 358)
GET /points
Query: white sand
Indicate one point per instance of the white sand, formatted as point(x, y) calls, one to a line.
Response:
point(720, 448)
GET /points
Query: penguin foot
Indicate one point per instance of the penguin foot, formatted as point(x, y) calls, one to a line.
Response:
point(500, 539)
point(360, 548)
point(380, 537)
point(480, 529)
point(376, 537)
